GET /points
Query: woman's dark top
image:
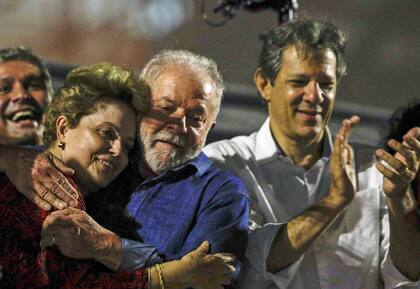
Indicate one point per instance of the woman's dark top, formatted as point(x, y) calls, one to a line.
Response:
point(23, 264)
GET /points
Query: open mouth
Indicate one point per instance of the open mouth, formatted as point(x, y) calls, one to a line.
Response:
point(23, 115)
point(309, 115)
point(107, 163)
point(310, 112)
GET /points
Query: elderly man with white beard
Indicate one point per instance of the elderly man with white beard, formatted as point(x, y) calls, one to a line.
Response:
point(174, 194)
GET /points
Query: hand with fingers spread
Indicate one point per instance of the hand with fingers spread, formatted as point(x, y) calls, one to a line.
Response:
point(341, 163)
point(402, 168)
point(78, 236)
point(39, 176)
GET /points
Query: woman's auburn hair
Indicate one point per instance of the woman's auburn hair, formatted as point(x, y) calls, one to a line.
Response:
point(85, 90)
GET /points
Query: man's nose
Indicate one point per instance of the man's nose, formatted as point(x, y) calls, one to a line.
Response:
point(19, 92)
point(178, 122)
point(313, 93)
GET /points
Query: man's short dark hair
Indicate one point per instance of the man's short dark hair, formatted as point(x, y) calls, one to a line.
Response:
point(307, 34)
point(401, 121)
point(21, 53)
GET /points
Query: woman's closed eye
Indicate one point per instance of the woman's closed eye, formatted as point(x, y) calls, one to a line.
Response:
point(108, 133)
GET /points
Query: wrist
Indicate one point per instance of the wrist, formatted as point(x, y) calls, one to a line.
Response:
point(336, 201)
point(401, 206)
point(181, 268)
point(108, 253)
point(397, 197)
point(175, 275)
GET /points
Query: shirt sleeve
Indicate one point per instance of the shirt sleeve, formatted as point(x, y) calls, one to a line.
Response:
point(254, 272)
point(222, 220)
point(137, 255)
point(392, 277)
point(70, 273)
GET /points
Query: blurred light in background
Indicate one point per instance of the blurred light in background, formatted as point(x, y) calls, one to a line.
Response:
point(383, 54)
point(156, 19)
point(142, 18)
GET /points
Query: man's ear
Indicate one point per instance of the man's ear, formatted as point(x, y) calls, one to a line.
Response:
point(61, 126)
point(263, 84)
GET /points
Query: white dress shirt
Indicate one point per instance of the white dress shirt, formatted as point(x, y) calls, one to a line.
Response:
point(350, 254)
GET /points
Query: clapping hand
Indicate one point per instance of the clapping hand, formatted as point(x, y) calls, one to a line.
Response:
point(341, 163)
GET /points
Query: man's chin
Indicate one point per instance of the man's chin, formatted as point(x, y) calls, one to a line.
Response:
point(162, 166)
point(25, 136)
point(310, 132)
point(160, 163)
point(160, 160)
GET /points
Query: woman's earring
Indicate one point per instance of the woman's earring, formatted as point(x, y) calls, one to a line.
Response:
point(61, 145)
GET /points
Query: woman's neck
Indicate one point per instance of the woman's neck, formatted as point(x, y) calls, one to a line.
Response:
point(56, 156)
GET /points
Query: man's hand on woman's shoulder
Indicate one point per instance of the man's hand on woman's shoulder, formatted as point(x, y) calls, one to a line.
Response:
point(39, 176)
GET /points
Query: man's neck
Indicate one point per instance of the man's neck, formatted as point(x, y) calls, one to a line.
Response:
point(303, 152)
point(141, 167)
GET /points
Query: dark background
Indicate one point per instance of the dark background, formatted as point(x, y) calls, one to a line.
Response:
point(383, 53)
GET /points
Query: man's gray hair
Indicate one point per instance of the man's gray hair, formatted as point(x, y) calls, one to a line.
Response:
point(193, 61)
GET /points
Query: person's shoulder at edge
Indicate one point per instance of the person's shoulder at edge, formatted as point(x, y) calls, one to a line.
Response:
point(219, 151)
point(223, 181)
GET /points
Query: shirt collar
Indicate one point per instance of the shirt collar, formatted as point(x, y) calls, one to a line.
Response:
point(200, 164)
point(267, 148)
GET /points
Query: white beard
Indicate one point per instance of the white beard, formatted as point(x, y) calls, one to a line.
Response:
point(160, 161)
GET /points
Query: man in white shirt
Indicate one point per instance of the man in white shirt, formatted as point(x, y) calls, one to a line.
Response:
point(310, 227)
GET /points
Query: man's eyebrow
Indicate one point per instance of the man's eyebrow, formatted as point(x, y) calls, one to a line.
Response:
point(327, 76)
point(33, 76)
point(298, 75)
point(6, 78)
point(28, 77)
